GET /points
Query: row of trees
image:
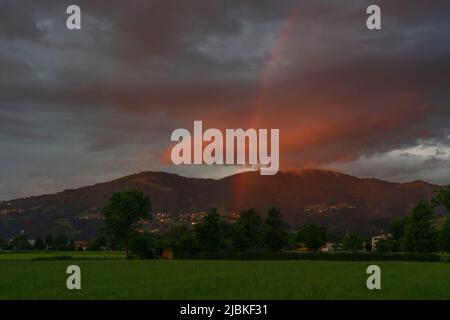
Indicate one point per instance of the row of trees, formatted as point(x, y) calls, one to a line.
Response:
point(314, 237)
point(419, 232)
point(248, 233)
point(59, 242)
point(213, 233)
point(127, 209)
point(21, 242)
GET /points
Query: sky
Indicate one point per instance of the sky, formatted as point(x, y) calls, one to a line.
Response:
point(86, 106)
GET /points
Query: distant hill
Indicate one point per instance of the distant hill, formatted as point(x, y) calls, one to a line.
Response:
point(342, 202)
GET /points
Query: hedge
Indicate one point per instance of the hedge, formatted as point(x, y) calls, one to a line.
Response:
point(335, 256)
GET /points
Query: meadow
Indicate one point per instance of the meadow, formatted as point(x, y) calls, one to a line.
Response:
point(107, 275)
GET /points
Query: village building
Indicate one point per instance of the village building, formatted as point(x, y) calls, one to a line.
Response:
point(378, 238)
point(329, 246)
point(81, 245)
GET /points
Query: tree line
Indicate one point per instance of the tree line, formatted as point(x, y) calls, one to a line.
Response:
point(414, 233)
point(127, 210)
point(418, 231)
point(58, 242)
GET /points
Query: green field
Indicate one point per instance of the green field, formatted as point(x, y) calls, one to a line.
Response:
point(109, 276)
point(61, 255)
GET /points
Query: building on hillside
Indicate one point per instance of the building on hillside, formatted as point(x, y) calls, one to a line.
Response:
point(161, 217)
point(378, 238)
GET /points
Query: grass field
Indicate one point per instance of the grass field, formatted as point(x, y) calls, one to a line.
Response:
point(61, 255)
point(109, 276)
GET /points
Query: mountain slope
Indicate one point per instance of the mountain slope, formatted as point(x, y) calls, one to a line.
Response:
point(342, 202)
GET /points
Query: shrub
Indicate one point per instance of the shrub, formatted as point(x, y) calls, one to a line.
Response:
point(141, 247)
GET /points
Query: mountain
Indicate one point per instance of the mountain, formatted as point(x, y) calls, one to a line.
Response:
point(342, 202)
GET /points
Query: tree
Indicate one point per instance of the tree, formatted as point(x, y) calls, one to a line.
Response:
point(444, 236)
point(21, 242)
point(98, 244)
point(442, 198)
point(187, 243)
point(352, 242)
point(210, 231)
point(39, 244)
point(420, 235)
point(124, 214)
point(368, 244)
point(397, 231)
point(60, 242)
point(248, 231)
point(181, 238)
point(384, 245)
point(275, 237)
point(49, 242)
point(141, 247)
point(313, 235)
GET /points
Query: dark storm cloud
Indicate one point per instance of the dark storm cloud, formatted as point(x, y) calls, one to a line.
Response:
point(18, 20)
point(104, 100)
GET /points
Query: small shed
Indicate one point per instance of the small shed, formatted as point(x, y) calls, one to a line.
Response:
point(164, 253)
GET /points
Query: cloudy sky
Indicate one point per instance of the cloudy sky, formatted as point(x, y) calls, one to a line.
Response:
point(80, 107)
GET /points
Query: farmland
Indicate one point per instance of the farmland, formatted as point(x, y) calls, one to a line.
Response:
point(110, 276)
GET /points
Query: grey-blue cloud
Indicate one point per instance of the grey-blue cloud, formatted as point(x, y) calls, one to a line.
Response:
point(82, 107)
